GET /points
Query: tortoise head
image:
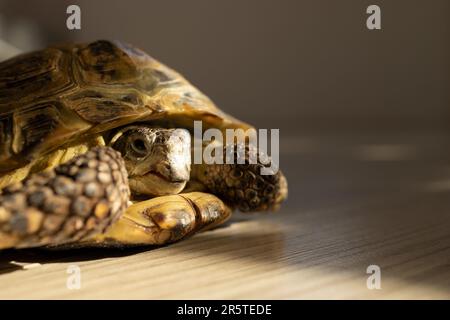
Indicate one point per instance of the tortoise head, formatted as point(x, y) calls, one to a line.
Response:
point(157, 160)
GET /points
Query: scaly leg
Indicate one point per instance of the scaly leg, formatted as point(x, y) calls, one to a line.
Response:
point(71, 202)
point(242, 185)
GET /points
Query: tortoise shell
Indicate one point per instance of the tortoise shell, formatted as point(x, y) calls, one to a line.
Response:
point(56, 96)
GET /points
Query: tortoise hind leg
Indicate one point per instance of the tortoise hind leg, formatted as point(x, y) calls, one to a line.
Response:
point(73, 201)
point(164, 220)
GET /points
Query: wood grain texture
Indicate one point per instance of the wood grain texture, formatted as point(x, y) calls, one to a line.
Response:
point(354, 201)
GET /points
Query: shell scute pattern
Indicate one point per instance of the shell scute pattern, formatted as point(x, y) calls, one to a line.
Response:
point(103, 62)
point(32, 76)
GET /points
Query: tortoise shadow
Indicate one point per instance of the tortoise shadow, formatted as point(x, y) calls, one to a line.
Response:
point(9, 257)
point(17, 259)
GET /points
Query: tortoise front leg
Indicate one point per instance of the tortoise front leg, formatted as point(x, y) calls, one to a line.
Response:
point(71, 202)
point(164, 220)
point(83, 203)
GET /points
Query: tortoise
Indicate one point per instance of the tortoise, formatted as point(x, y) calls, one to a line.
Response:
point(95, 150)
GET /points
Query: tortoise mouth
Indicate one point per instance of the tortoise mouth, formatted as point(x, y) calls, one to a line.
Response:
point(155, 184)
point(163, 177)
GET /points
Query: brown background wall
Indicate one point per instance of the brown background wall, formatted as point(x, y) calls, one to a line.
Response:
point(281, 64)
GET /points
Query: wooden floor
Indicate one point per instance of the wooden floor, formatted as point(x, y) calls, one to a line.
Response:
point(354, 201)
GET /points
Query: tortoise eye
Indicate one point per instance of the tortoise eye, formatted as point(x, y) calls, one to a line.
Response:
point(139, 146)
